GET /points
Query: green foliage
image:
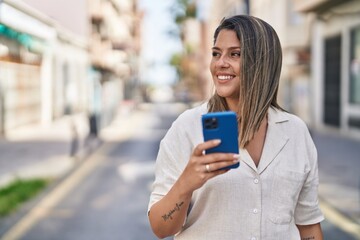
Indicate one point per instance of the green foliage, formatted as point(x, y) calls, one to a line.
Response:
point(18, 192)
point(175, 61)
point(185, 9)
point(182, 10)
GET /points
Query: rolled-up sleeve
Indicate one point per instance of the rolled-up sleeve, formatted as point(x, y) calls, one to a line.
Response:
point(307, 210)
point(165, 174)
point(174, 152)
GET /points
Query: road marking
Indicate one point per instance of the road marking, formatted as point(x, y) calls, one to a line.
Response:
point(44, 207)
point(131, 171)
point(341, 221)
point(118, 132)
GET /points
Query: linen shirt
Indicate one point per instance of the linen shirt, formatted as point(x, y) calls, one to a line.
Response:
point(263, 202)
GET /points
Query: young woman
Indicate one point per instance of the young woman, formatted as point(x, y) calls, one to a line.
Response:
point(273, 194)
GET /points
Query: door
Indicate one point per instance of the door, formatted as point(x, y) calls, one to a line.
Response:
point(332, 91)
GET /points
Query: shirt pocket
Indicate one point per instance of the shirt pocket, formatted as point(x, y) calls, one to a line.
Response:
point(285, 190)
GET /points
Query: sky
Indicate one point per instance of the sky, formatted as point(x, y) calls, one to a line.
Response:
point(157, 44)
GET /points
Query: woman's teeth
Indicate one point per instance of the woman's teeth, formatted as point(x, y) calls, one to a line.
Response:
point(225, 77)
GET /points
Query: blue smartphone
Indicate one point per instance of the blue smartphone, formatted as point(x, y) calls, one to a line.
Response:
point(223, 126)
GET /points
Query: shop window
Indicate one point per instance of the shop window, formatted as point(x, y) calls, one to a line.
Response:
point(355, 67)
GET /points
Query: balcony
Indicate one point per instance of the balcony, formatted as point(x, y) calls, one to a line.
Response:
point(96, 10)
point(316, 5)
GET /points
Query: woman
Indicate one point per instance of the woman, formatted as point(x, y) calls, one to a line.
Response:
point(273, 194)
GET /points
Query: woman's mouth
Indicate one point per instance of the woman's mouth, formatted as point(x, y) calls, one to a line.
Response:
point(225, 77)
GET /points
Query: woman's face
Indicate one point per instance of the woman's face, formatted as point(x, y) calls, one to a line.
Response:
point(225, 65)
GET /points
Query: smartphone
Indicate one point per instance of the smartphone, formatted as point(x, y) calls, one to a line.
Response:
point(223, 126)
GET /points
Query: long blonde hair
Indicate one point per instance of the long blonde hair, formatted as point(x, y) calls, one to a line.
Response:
point(261, 59)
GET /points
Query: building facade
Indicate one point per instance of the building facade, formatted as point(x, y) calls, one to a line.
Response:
point(80, 61)
point(293, 30)
point(335, 44)
point(114, 49)
point(37, 82)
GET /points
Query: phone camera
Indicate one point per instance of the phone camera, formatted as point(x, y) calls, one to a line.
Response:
point(211, 123)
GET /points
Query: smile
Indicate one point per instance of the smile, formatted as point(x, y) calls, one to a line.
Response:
point(225, 77)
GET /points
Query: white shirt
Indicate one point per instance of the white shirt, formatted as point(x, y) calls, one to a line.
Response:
point(249, 202)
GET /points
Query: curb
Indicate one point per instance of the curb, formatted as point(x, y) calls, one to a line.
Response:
point(75, 162)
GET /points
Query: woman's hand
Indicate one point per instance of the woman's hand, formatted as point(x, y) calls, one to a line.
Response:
point(167, 216)
point(201, 167)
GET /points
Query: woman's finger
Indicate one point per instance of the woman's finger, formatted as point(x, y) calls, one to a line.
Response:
point(216, 166)
point(219, 157)
point(199, 149)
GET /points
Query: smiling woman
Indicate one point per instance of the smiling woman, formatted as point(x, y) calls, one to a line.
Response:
point(225, 66)
point(273, 194)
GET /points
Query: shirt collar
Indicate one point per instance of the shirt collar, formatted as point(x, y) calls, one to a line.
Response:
point(277, 116)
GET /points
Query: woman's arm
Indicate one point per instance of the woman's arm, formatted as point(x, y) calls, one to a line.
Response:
point(168, 215)
point(310, 232)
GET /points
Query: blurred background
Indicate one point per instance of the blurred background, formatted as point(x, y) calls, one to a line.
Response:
point(89, 87)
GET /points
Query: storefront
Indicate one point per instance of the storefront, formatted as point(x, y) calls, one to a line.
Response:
point(20, 81)
point(44, 68)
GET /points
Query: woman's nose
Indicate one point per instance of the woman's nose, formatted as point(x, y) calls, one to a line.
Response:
point(222, 62)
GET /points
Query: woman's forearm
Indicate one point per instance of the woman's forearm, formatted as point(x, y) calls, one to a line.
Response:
point(310, 232)
point(167, 216)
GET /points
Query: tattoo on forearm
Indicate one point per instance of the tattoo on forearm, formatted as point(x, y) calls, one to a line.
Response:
point(172, 211)
point(308, 238)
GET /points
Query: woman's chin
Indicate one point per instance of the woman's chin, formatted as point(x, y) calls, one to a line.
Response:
point(224, 94)
point(228, 94)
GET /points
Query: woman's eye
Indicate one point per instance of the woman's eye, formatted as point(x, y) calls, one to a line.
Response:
point(235, 54)
point(215, 54)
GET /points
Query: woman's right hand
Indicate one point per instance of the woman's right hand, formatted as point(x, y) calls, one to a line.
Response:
point(202, 167)
point(167, 216)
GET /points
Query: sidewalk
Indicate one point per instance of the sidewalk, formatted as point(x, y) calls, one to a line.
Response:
point(339, 172)
point(44, 151)
point(54, 150)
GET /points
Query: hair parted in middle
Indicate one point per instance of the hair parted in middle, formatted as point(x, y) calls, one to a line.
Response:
point(261, 60)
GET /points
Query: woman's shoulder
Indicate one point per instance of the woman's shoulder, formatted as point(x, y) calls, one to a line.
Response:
point(278, 115)
point(192, 115)
point(291, 121)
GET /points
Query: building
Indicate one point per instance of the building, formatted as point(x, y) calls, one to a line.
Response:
point(114, 48)
point(293, 30)
point(335, 64)
point(65, 58)
point(43, 67)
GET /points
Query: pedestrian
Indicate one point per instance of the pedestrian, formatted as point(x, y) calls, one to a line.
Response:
point(273, 194)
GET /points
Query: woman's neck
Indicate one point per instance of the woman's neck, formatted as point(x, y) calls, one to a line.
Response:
point(233, 105)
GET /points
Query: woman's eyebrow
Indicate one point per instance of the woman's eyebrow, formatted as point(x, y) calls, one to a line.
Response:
point(231, 48)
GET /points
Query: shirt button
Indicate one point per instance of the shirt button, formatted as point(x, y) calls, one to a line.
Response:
point(255, 210)
point(256, 181)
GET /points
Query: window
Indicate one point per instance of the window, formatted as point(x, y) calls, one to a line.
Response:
point(355, 66)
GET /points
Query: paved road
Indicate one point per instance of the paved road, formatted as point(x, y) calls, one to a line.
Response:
point(109, 199)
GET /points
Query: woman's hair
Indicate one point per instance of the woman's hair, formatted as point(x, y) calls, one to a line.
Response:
point(260, 67)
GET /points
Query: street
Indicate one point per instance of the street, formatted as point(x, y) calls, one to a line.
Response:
point(107, 197)
point(110, 201)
